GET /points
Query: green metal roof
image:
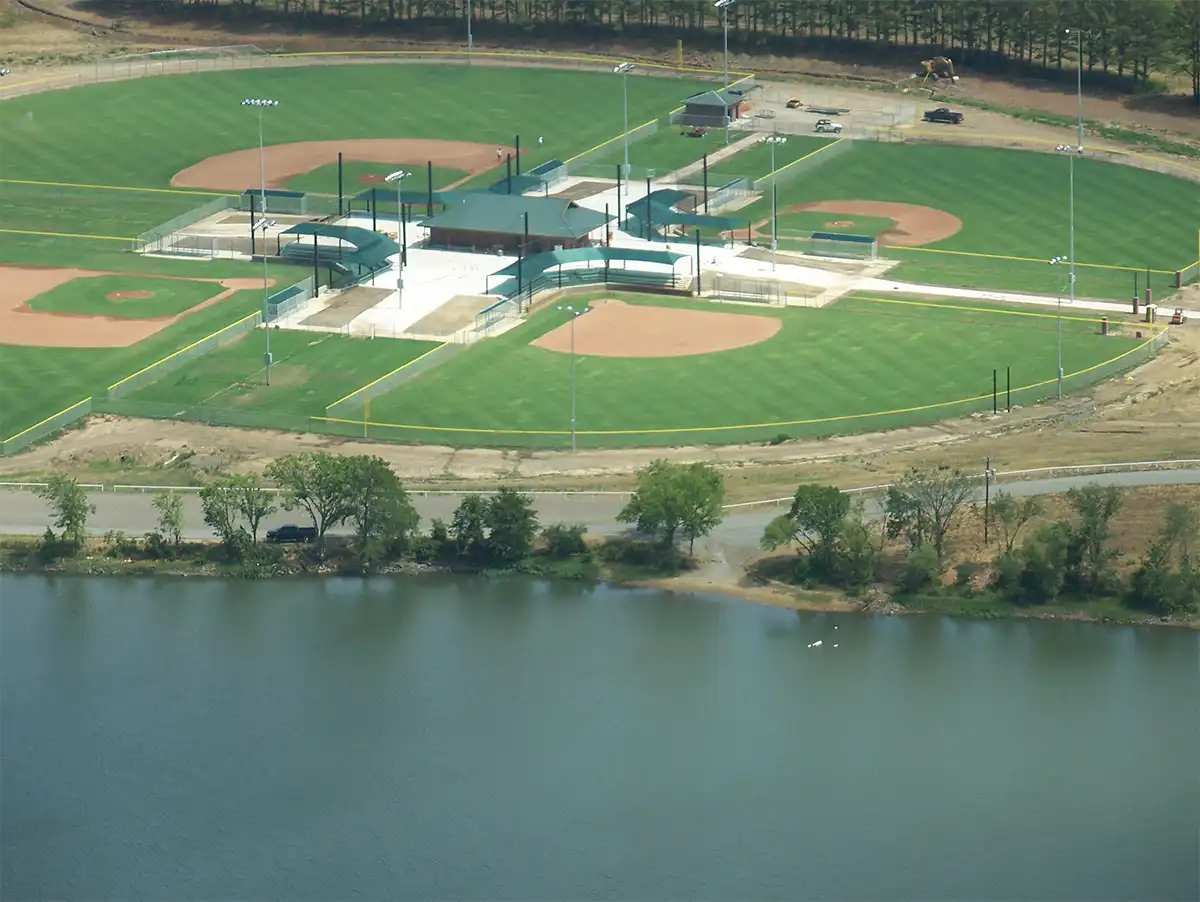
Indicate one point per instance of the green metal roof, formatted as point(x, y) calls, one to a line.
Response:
point(537, 263)
point(371, 249)
point(722, 99)
point(662, 212)
point(549, 217)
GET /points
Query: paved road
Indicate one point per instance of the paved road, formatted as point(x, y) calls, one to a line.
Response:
point(22, 513)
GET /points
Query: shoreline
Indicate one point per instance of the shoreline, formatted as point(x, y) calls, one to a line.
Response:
point(691, 583)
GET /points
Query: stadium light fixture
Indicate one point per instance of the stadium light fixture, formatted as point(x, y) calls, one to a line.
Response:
point(574, 313)
point(623, 70)
point(261, 103)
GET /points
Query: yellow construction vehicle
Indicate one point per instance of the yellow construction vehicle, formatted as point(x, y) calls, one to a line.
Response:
point(937, 68)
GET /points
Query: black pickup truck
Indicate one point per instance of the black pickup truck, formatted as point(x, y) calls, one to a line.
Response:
point(944, 114)
point(292, 534)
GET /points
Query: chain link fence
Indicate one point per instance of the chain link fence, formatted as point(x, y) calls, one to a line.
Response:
point(219, 339)
point(45, 428)
point(807, 163)
point(360, 399)
point(160, 239)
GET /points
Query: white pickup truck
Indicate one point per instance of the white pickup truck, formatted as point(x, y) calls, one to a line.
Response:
point(828, 125)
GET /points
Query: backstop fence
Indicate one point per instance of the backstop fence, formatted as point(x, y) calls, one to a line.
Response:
point(160, 239)
point(775, 293)
point(206, 345)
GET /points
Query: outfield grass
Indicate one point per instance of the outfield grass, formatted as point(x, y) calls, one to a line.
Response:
point(756, 161)
point(665, 151)
point(37, 382)
point(90, 296)
point(1015, 203)
point(859, 357)
point(357, 176)
point(310, 371)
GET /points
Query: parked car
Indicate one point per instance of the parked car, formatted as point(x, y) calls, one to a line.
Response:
point(287, 535)
point(794, 104)
point(944, 114)
point(828, 125)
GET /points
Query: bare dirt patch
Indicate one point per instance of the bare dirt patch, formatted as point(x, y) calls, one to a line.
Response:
point(616, 329)
point(21, 325)
point(915, 225)
point(347, 306)
point(839, 224)
point(129, 295)
point(457, 313)
point(240, 169)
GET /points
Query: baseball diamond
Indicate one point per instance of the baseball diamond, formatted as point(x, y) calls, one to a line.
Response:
point(420, 260)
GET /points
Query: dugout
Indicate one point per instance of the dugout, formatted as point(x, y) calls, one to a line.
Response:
point(352, 252)
point(647, 216)
point(635, 267)
point(514, 224)
point(277, 200)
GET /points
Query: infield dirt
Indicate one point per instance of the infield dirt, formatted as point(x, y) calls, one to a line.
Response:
point(239, 170)
point(20, 325)
point(615, 329)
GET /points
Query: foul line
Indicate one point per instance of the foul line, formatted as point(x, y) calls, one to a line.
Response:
point(1080, 318)
point(567, 161)
point(63, 235)
point(182, 350)
point(807, 156)
point(784, 423)
point(115, 188)
point(329, 407)
point(938, 250)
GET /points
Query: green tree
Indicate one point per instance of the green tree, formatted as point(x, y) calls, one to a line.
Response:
point(170, 515)
point(69, 504)
point(1089, 559)
point(1012, 516)
point(319, 483)
point(381, 513)
point(512, 526)
point(1155, 586)
point(857, 551)
point(1043, 563)
point(814, 522)
point(218, 501)
point(923, 506)
point(676, 499)
point(252, 502)
point(469, 528)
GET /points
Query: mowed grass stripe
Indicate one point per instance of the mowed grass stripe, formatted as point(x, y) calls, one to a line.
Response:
point(310, 370)
point(840, 361)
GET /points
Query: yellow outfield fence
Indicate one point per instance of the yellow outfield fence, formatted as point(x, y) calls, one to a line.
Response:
point(52, 424)
point(206, 345)
point(361, 397)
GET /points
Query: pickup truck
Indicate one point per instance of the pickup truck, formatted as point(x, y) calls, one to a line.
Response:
point(828, 125)
point(944, 114)
point(292, 535)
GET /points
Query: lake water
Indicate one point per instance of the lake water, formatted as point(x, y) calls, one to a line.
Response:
point(466, 739)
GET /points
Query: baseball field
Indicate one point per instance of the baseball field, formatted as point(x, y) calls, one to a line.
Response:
point(79, 312)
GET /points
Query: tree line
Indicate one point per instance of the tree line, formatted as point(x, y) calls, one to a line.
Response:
point(1068, 558)
point(671, 503)
point(1125, 38)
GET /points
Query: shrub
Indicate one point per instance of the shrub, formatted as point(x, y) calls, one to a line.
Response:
point(922, 570)
point(563, 540)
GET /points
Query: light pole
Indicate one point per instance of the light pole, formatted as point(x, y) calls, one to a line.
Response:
point(623, 70)
point(1072, 151)
point(260, 103)
point(774, 139)
point(723, 6)
point(574, 314)
point(263, 225)
point(398, 177)
point(989, 473)
point(470, 38)
point(1057, 261)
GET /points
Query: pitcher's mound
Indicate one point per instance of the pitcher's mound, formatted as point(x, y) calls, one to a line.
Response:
point(616, 329)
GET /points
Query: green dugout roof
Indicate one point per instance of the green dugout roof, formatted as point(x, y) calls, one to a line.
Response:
point(537, 263)
point(662, 212)
point(549, 217)
point(371, 249)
